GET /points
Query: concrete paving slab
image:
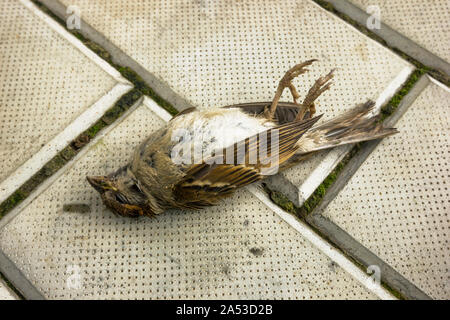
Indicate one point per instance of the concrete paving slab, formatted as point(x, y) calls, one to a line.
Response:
point(218, 53)
point(240, 249)
point(396, 203)
point(425, 22)
point(51, 89)
point(407, 20)
point(6, 293)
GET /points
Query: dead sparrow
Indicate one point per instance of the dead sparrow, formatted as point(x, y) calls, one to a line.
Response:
point(200, 157)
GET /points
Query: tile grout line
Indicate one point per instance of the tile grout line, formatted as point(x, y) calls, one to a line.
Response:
point(341, 238)
point(55, 26)
point(334, 157)
point(392, 36)
point(49, 181)
point(389, 38)
point(161, 91)
point(389, 110)
point(145, 99)
point(60, 141)
point(306, 231)
point(352, 27)
point(85, 120)
point(153, 106)
point(411, 87)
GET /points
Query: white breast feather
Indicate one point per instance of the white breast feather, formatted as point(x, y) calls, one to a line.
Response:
point(217, 128)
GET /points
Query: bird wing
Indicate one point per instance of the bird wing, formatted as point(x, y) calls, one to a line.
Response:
point(239, 165)
point(185, 111)
point(285, 112)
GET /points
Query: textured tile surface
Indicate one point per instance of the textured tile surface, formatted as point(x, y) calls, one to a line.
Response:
point(215, 53)
point(397, 203)
point(45, 83)
point(425, 22)
point(239, 249)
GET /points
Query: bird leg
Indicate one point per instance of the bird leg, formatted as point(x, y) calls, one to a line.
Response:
point(320, 86)
point(286, 82)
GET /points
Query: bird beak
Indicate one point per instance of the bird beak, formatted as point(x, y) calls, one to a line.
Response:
point(101, 183)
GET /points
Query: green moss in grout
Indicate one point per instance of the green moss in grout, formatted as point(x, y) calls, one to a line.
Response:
point(393, 104)
point(140, 85)
point(318, 194)
point(92, 131)
point(68, 153)
point(284, 203)
point(57, 162)
point(12, 201)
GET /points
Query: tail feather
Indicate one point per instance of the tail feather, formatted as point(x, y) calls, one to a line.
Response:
point(354, 126)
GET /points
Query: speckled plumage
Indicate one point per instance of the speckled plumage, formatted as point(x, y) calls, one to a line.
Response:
point(200, 157)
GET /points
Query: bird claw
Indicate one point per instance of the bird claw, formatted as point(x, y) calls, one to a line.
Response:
point(286, 82)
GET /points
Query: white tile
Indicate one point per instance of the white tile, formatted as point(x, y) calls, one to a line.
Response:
point(215, 53)
point(51, 89)
point(397, 203)
point(240, 249)
point(425, 22)
point(5, 292)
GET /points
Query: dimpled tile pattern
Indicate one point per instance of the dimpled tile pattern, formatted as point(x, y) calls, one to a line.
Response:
point(216, 53)
point(239, 249)
point(425, 22)
point(45, 83)
point(397, 203)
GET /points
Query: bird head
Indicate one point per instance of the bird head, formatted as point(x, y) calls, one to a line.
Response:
point(121, 193)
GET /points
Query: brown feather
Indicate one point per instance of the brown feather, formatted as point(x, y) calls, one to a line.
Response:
point(208, 182)
point(351, 127)
point(285, 112)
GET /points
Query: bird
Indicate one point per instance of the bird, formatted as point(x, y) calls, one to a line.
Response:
point(203, 156)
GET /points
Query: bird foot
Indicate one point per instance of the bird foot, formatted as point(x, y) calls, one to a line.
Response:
point(286, 82)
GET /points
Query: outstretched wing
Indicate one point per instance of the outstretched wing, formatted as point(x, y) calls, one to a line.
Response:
point(240, 164)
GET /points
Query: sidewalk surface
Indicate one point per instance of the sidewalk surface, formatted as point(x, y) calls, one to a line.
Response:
point(65, 244)
point(397, 201)
point(424, 22)
point(50, 92)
